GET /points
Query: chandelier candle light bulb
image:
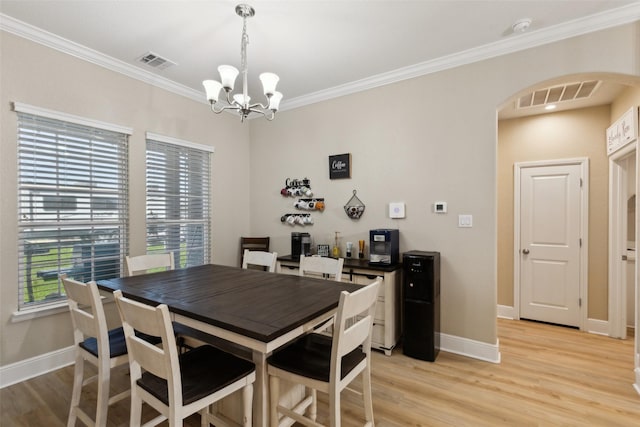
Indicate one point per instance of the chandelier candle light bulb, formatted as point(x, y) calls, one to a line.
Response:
point(228, 74)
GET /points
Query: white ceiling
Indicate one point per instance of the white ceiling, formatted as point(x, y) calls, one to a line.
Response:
point(320, 49)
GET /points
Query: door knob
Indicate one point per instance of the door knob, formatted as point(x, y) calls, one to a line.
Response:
point(525, 251)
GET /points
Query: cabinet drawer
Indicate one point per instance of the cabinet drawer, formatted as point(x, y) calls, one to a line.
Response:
point(362, 279)
point(286, 269)
point(379, 310)
point(377, 335)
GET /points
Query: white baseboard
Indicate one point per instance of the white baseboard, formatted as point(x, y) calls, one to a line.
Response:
point(505, 312)
point(30, 368)
point(637, 383)
point(594, 326)
point(35, 366)
point(45, 363)
point(600, 327)
point(470, 348)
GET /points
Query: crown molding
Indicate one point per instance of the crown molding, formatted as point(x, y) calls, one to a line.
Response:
point(515, 43)
point(611, 18)
point(45, 38)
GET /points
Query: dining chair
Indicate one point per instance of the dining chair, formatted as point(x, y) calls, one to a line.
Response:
point(260, 258)
point(143, 263)
point(93, 343)
point(179, 385)
point(328, 364)
point(253, 244)
point(317, 266)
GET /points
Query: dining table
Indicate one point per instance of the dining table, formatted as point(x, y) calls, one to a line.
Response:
point(257, 310)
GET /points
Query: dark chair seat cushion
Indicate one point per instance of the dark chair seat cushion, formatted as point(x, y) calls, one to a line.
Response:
point(203, 370)
point(117, 343)
point(310, 356)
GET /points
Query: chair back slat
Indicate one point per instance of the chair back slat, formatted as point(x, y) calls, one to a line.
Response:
point(355, 335)
point(85, 322)
point(260, 258)
point(354, 320)
point(149, 357)
point(321, 267)
point(142, 263)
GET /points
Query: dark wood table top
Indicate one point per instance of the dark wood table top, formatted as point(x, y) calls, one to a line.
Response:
point(253, 303)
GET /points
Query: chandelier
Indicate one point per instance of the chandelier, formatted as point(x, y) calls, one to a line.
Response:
point(241, 102)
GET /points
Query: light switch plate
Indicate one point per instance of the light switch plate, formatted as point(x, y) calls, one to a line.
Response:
point(396, 210)
point(465, 220)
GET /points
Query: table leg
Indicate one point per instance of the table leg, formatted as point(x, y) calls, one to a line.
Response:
point(261, 390)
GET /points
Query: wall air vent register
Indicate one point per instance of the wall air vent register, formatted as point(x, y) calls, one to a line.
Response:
point(558, 94)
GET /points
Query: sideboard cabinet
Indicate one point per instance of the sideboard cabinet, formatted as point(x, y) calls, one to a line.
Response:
point(386, 325)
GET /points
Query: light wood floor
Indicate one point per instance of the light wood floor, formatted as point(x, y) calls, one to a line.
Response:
point(549, 376)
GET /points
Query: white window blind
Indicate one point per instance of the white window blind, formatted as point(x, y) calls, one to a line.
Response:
point(178, 202)
point(73, 213)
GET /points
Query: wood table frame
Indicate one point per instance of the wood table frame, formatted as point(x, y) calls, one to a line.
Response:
point(257, 310)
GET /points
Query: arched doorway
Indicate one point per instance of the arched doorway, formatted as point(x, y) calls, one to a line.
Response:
point(623, 92)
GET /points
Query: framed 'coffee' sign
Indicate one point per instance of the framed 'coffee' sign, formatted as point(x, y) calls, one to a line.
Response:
point(340, 166)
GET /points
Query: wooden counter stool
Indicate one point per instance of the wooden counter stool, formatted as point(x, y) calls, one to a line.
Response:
point(328, 364)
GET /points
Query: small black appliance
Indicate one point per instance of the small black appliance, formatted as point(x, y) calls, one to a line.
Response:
point(384, 246)
point(300, 245)
point(421, 304)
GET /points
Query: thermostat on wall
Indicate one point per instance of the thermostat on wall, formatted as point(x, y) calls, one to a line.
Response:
point(396, 210)
point(440, 207)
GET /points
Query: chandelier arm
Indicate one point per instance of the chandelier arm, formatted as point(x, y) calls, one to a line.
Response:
point(224, 108)
point(213, 108)
point(263, 111)
point(252, 107)
point(230, 101)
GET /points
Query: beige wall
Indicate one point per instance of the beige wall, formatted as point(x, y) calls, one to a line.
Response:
point(562, 135)
point(36, 75)
point(626, 100)
point(419, 141)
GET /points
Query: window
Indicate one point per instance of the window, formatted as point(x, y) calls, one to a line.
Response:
point(72, 202)
point(178, 200)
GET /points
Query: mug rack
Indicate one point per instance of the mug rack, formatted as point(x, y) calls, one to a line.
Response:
point(310, 204)
point(297, 188)
point(297, 219)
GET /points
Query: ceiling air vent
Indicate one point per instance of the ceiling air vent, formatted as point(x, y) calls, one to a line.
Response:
point(156, 61)
point(557, 94)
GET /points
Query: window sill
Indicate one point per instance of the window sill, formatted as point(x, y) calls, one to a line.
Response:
point(49, 310)
point(37, 312)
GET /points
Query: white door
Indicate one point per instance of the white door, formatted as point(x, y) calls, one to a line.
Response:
point(550, 227)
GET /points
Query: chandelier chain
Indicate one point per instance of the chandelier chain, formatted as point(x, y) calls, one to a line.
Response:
point(243, 44)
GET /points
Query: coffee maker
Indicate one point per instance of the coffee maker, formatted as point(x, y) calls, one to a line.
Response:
point(300, 245)
point(384, 246)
